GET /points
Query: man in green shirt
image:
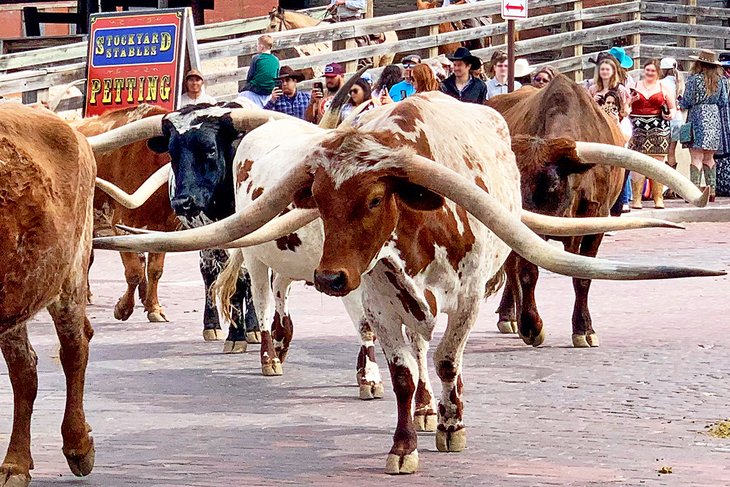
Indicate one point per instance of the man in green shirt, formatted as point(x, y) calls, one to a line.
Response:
point(262, 73)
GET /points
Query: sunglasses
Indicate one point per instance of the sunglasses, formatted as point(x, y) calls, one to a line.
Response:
point(408, 66)
point(541, 80)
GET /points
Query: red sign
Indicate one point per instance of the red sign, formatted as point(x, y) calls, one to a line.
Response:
point(134, 57)
point(514, 9)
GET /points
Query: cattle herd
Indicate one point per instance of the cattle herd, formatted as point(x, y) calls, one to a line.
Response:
point(422, 207)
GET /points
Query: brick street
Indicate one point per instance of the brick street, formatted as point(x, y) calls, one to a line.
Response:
point(170, 410)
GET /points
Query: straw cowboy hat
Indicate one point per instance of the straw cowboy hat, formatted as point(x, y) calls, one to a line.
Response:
point(706, 56)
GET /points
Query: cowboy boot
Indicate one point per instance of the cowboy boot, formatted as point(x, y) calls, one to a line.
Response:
point(637, 187)
point(657, 194)
point(670, 194)
point(711, 180)
point(694, 175)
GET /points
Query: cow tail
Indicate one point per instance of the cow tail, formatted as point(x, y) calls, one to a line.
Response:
point(225, 286)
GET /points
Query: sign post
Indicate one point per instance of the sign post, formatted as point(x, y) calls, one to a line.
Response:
point(137, 57)
point(511, 10)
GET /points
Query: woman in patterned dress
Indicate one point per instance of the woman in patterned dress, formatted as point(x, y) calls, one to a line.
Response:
point(722, 156)
point(705, 93)
point(652, 107)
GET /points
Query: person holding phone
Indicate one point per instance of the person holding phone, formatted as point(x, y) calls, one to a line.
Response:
point(286, 98)
point(322, 94)
point(405, 88)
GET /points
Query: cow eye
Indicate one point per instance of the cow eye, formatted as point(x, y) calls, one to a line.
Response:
point(210, 154)
point(375, 202)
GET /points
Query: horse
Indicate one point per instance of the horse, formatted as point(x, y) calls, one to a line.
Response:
point(445, 27)
point(281, 20)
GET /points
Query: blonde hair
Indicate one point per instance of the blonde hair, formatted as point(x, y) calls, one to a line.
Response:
point(266, 41)
point(615, 77)
point(678, 78)
point(711, 73)
point(424, 79)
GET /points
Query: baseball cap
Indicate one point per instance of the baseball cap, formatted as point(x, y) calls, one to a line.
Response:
point(411, 59)
point(194, 72)
point(668, 63)
point(333, 69)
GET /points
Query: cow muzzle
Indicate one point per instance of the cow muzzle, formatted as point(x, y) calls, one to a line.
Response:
point(333, 282)
point(188, 206)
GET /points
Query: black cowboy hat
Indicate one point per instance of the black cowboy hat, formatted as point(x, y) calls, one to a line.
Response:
point(463, 54)
point(287, 72)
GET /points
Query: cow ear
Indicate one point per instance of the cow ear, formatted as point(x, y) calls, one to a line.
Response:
point(303, 198)
point(417, 197)
point(158, 144)
point(568, 166)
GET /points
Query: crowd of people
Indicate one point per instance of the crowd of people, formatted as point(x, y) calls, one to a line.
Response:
point(651, 111)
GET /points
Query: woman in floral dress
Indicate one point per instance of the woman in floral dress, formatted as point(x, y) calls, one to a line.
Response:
point(706, 92)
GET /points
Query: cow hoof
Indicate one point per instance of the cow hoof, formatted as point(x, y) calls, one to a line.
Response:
point(585, 341)
point(425, 422)
point(234, 347)
point(372, 390)
point(212, 335)
point(272, 369)
point(13, 476)
point(121, 313)
point(451, 441)
point(157, 317)
point(401, 464)
point(253, 337)
point(535, 341)
point(81, 465)
point(506, 326)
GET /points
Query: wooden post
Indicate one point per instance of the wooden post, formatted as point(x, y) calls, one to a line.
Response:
point(635, 40)
point(688, 42)
point(349, 66)
point(370, 9)
point(510, 56)
point(578, 48)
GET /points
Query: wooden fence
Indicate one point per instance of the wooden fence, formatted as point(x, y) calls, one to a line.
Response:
point(580, 32)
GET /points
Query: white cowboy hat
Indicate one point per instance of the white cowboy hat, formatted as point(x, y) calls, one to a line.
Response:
point(523, 68)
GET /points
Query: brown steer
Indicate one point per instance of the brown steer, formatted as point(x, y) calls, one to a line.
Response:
point(46, 221)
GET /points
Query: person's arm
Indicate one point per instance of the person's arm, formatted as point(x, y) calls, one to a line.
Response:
point(625, 96)
point(252, 68)
point(689, 93)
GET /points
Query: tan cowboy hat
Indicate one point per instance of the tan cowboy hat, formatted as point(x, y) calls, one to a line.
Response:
point(706, 56)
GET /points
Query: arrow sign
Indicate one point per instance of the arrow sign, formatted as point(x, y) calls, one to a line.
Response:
point(514, 9)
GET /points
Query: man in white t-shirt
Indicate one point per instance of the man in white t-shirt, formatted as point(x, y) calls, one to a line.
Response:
point(194, 90)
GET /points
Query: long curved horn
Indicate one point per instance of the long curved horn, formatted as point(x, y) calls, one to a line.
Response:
point(331, 117)
point(247, 119)
point(521, 239)
point(280, 226)
point(143, 193)
point(569, 227)
point(621, 157)
point(128, 134)
point(264, 208)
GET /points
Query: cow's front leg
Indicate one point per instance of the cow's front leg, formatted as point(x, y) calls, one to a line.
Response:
point(451, 433)
point(583, 334)
point(368, 373)
point(210, 267)
point(236, 340)
point(155, 266)
point(530, 325)
point(134, 275)
point(261, 294)
point(283, 328)
point(424, 415)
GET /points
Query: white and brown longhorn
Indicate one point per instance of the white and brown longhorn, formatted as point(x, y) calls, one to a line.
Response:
point(419, 212)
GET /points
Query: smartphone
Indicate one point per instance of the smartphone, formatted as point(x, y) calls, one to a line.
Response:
point(403, 94)
point(318, 86)
point(278, 83)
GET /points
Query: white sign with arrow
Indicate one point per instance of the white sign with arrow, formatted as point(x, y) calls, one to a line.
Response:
point(514, 9)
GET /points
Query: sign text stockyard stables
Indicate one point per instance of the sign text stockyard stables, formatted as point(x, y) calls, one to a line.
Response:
point(134, 58)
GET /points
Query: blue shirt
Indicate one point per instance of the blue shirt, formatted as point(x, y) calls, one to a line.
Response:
point(291, 105)
point(495, 88)
point(402, 86)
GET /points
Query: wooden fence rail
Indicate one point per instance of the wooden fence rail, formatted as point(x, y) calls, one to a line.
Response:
point(39, 80)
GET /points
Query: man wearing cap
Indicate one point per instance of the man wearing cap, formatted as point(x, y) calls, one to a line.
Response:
point(287, 99)
point(405, 88)
point(194, 91)
point(462, 85)
point(334, 77)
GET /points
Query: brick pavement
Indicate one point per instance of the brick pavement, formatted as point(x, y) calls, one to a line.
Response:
point(169, 410)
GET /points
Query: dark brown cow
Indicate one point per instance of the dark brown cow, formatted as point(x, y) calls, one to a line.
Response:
point(155, 214)
point(545, 125)
point(46, 222)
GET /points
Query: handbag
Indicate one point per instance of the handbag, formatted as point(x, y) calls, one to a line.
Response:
point(685, 134)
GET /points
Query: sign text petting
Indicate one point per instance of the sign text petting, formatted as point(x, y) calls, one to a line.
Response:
point(134, 58)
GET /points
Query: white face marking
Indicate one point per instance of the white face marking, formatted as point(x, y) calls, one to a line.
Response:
point(184, 123)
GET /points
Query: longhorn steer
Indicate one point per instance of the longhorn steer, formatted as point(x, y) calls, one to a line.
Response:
point(545, 125)
point(46, 223)
point(389, 233)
